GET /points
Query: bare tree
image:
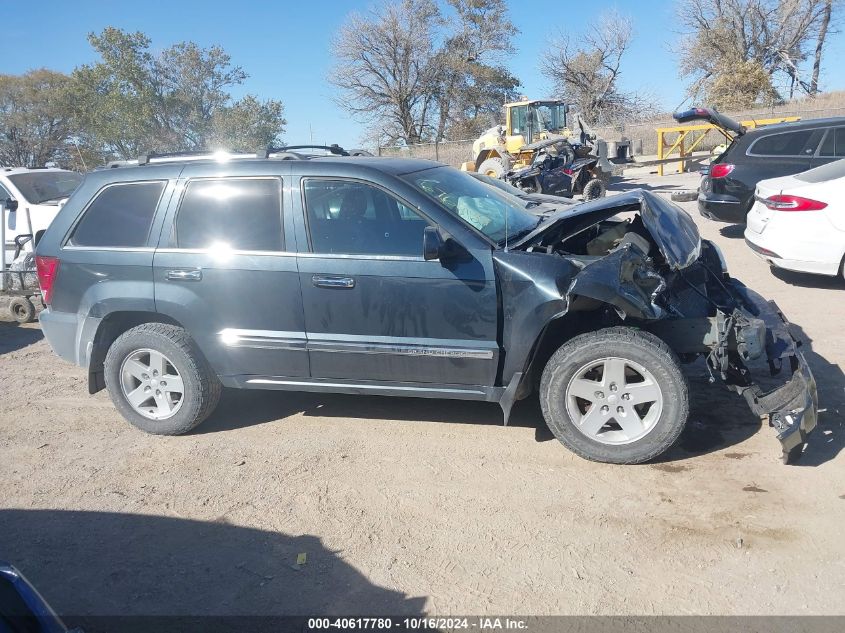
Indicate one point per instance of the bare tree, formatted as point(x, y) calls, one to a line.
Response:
point(773, 36)
point(384, 68)
point(824, 24)
point(415, 74)
point(585, 70)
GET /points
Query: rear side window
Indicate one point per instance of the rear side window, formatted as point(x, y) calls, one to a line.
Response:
point(834, 143)
point(235, 213)
point(798, 143)
point(119, 216)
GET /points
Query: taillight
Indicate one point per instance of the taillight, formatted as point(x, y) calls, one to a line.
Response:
point(720, 170)
point(793, 203)
point(47, 269)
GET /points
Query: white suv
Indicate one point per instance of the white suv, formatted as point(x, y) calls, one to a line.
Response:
point(33, 198)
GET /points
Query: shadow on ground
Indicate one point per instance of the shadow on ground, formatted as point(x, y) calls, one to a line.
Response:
point(809, 281)
point(828, 440)
point(88, 564)
point(733, 231)
point(719, 418)
point(630, 185)
point(14, 336)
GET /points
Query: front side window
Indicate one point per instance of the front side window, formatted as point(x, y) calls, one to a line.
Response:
point(834, 143)
point(798, 143)
point(231, 213)
point(494, 213)
point(354, 218)
point(120, 216)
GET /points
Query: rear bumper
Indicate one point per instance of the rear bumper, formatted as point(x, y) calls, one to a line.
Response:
point(69, 336)
point(722, 208)
point(782, 250)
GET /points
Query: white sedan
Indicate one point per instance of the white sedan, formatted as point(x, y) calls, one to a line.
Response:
point(798, 222)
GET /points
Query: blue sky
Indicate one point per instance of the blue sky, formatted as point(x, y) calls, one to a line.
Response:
point(284, 46)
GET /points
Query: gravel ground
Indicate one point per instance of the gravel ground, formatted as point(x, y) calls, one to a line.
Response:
point(418, 506)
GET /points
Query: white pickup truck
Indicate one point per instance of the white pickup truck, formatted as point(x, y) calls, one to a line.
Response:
point(32, 199)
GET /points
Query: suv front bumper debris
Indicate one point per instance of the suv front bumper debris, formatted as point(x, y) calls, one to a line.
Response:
point(792, 408)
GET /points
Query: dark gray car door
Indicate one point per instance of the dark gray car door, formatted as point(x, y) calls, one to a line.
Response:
point(224, 269)
point(375, 310)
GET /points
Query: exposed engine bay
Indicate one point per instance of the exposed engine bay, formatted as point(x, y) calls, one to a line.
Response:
point(643, 257)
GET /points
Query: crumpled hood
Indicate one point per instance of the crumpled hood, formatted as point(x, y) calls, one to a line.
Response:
point(673, 230)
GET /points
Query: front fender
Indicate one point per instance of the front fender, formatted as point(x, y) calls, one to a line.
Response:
point(533, 293)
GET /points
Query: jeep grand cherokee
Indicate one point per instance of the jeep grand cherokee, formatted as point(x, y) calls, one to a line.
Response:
point(173, 278)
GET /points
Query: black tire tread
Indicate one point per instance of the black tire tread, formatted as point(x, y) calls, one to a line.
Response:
point(28, 308)
point(595, 183)
point(210, 387)
point(624, 337)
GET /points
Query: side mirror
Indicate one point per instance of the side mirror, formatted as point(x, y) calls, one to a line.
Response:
point(432, 243)
point(11, 204)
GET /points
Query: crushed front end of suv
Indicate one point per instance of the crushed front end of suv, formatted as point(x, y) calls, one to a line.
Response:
point(364, 275)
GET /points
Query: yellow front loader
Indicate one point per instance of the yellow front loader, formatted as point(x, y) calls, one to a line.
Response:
point(500, 149)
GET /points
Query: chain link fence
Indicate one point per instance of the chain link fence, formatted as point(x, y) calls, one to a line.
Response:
point(450, 152)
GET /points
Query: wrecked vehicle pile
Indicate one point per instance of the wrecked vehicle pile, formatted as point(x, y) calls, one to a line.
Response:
point(654, 272)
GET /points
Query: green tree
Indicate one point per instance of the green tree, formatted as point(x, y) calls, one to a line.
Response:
point(35, 118)
point(247, 125)
point(132, 101)
point(474, 83)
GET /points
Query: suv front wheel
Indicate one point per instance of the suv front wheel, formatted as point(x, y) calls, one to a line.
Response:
point(159, 380)
point(615, 395)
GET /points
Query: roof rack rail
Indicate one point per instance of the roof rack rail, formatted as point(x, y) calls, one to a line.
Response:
point(282, 153)
point(221, 154)
point(335, 149)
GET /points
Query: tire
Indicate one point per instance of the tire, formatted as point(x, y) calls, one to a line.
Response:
point(184, 363)
point(640, 353)
point(495, 167)
point(595, 188)
point(684, 195)
point(22, 309)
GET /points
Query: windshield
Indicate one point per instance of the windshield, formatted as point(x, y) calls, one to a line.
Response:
point(46, 186)
point(495, 213)
point(550, 117)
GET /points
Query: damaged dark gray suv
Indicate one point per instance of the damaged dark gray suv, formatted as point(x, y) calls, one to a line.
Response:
point(172, 278)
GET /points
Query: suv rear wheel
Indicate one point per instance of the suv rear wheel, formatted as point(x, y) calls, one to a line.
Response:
point(616, 395)
point(159, 380)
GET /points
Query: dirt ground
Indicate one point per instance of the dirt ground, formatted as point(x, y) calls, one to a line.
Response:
point(420, 506)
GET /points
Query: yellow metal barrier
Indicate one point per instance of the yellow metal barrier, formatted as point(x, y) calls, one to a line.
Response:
point(690, 136)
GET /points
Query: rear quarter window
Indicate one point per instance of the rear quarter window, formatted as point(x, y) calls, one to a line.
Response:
point(797, 143)
point(120, 215)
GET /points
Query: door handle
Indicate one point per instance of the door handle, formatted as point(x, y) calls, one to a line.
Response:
point(191, 274)
point(332, 282)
